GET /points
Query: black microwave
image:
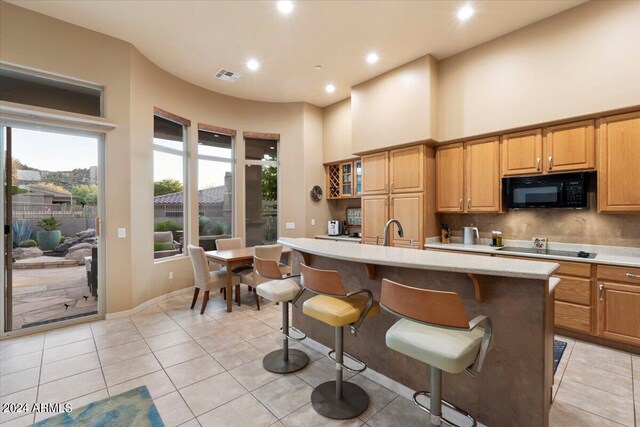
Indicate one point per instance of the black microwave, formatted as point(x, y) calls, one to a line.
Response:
point(565, 190)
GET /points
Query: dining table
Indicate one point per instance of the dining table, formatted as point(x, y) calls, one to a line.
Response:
point(232, 258)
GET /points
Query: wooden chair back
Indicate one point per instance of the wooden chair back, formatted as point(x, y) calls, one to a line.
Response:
point(231, 243)
point(267, 268)
point(322, 281)
point(424, 305)
point(273, 252)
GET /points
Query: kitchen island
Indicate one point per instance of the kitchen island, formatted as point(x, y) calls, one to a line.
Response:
point(514, 387)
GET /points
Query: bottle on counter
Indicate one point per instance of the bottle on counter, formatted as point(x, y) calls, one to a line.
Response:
point(445, 234)
point(496, 237)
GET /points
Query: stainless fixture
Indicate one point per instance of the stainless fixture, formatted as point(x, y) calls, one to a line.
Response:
point(385, 241)
point(469, 235)
point(580, 254)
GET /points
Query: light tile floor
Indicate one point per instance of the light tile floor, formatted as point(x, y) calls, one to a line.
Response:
point(207, 370)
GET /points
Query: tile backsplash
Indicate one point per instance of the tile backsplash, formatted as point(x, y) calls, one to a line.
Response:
point(557, 225)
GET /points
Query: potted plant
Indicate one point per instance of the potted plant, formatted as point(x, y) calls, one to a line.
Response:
point(49, 237)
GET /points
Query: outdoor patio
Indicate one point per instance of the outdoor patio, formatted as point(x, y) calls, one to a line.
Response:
point(40, 294)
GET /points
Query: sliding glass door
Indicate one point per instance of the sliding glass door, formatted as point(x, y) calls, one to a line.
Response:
point(52, 196)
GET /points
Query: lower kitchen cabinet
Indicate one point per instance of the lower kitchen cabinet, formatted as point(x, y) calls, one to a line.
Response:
point(619, 304)
point(573, 316)
point(409, 210)
point(375, 214)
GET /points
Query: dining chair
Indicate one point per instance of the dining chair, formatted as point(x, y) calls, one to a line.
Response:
point(206, 279)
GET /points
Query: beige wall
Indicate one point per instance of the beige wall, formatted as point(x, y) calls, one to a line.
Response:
point(582, 61)
point(314, 171)
point(395, 108)
point(65, 49)
point(336, 136)
point(133, 86)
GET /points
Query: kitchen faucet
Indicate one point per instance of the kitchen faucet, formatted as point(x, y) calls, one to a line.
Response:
point(385, 242)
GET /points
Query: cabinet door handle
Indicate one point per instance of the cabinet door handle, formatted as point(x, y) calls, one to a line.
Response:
point(468, 203)
point(385, 188)
point(633, 276)
point(550, 163)
point(601, 289)
point(411, 242)
point(538, 164)
point(377, 239)
point(392, 187)
point(460, 204)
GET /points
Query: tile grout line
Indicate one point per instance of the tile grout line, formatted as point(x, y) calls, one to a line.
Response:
point(164, 371)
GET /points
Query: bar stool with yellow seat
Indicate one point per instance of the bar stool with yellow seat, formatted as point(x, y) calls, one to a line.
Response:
point(336, 307)
point(280, 288)
point(434, 329)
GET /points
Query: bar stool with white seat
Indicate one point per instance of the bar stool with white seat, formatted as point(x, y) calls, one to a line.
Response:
point(266, 252)
point(336, 307)
point(434, 329)
point(278, 287)
point(205, 278)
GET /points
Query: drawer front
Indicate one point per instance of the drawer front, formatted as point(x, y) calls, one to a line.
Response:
point(573, 289)
point(619, 274)
point(573, 316)
point(573, 268)
point(567, 268)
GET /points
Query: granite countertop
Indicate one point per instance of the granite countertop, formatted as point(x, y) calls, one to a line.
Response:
point(609, 255)
point(427, 260)
point(339, 237)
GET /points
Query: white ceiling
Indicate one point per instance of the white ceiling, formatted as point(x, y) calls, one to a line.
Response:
point(194, 39)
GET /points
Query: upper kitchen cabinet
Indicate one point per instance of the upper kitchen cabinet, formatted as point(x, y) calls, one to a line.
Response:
point(522, 153)
point(570, 147)
point(343, 179)
point(482, 175)
point(375, 173)
point(406, 169)
point(336, 132)
point(450, 178)
point(619, 163)
point(396, 108)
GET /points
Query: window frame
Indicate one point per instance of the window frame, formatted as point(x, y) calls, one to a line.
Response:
point(186, 200)
point(253, 162)
point(232, 161)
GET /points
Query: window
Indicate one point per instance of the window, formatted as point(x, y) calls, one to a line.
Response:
point(261, 191)
point(169, 201)
point(49, 92)
point(215, 187)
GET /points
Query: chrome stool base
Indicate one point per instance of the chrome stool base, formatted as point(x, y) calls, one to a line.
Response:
point(435, 418)
point(354, 400)
point(275, 361)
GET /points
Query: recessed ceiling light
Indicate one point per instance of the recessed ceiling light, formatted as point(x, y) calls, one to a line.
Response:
point(253, 64)
point(372, 58)
point(465, 12)
point(285, 6)
point(330, 88)
point(318, 67)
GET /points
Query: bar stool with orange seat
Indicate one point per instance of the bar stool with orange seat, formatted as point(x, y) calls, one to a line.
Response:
point(279, 287)
point(434, 329)
point(336, 307)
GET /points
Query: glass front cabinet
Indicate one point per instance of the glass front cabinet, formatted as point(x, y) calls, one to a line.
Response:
point(344, 179)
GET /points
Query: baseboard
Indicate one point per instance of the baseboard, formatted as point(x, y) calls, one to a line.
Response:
point(377, 377)
point(139, 308)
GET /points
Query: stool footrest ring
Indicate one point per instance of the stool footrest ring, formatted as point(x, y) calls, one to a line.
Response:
point(447, 404)
point(296, 330)
point(330, 355)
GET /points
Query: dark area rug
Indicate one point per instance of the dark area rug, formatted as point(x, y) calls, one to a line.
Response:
point(558, 351)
